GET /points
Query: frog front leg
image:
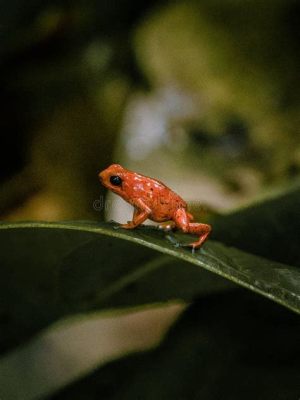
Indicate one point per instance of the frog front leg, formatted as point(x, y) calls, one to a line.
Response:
point(139, 216)
point(182, 221)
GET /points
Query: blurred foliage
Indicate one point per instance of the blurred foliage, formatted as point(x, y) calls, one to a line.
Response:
point(242, 61)
point(65, 72)
point(226, 346)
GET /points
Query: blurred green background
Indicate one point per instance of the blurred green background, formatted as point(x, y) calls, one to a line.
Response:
point(202, 94)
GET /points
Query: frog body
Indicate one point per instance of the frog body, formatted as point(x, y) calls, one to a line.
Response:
point(153, 200)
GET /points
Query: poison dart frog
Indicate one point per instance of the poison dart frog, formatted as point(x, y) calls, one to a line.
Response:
point(152, 200)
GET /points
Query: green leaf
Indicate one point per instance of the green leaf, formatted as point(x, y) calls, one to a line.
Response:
point(228, 346)
point(50, 270)
point(269, 228)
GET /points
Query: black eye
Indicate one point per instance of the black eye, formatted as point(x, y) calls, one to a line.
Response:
point(115, 180)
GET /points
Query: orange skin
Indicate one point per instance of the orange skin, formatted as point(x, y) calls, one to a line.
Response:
point(153, 200)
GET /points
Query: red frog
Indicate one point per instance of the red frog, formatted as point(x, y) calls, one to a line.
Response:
point(153, 200)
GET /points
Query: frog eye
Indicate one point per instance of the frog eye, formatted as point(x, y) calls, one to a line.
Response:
point(115, 180)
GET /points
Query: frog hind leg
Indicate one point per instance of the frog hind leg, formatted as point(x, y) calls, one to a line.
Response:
point(190, 216)
point(182, 221)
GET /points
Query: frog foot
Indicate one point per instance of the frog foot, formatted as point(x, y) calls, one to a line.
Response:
point(190, 246)
point(173, 241)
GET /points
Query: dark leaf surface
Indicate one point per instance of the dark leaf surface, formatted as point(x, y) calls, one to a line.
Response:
point(228, 346)
point(49, 270)
point(270, 228)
